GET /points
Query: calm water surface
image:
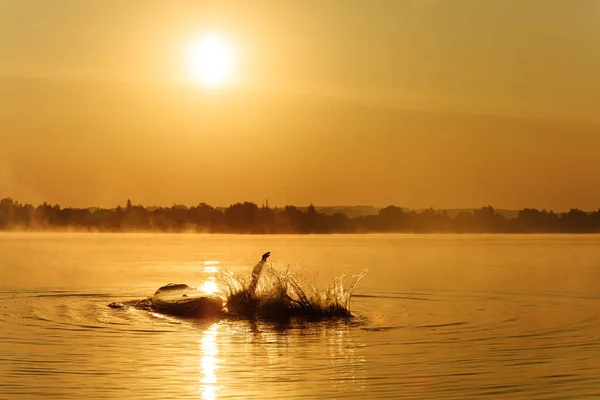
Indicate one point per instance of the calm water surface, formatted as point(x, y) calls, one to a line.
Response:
point(447, 317)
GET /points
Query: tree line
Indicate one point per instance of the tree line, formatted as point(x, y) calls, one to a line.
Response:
point(250, 218)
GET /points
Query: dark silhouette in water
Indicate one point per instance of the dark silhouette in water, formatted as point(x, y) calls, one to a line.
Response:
point(179, 300)
point(256, 273)
point(278, 297)
point(249, 218)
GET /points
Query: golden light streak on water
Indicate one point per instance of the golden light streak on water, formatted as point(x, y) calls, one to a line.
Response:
point(208, 344)
point(211, 266)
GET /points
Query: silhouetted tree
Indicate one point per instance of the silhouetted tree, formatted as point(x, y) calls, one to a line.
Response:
point(242, 217)
point(575, 221)
point(392, 219)
point(249, 218)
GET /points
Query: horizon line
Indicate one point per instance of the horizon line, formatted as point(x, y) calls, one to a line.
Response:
point(272, 206)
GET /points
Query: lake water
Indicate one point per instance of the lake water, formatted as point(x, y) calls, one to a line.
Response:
point(436, 316)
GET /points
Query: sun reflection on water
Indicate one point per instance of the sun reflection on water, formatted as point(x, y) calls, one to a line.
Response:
point(208, 345)
point(211, 266)
point(209, 286)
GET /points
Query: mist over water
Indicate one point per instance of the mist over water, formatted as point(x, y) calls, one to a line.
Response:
point(437, 316)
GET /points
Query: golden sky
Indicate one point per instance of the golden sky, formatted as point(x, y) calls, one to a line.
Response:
point(417, 103)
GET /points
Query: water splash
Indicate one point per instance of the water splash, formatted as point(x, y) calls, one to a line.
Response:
point(275, 295)
point(279, 294)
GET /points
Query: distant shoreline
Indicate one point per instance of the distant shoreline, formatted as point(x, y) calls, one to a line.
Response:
point(408, 234)
point(249, 218)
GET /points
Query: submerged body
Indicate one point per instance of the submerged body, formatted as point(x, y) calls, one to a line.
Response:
point(185, 301)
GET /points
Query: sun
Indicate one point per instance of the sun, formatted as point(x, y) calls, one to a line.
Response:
point(210, 61)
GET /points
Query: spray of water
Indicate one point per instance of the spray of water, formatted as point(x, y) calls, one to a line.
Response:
point(279, 294)
point(268, 293)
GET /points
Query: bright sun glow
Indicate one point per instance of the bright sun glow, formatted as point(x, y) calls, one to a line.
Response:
point(209, 286)
point(210, 61)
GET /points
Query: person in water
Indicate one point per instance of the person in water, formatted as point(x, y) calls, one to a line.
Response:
point(256, 272)
point(185, 301)
point(174, 299)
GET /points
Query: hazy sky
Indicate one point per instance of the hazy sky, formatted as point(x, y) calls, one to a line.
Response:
point(418, 103)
